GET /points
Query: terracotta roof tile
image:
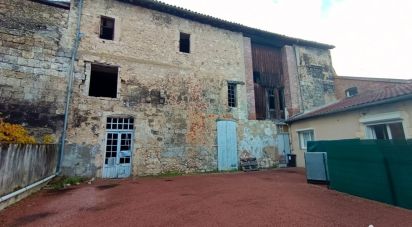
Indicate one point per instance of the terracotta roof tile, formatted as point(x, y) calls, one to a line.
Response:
point(372, 98)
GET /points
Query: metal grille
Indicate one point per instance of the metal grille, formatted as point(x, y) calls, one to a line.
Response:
point(231, 94)
point(119, 123)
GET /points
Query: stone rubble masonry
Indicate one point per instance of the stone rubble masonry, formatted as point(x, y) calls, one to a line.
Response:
point(34, 61)
point(316, 77)
point(179, 135)
point(175, 98)
point(250, 92)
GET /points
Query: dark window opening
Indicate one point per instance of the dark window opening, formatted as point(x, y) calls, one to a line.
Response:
point(184, 44)
point(107, 28)
point(388, 131)
point(256, 77)
point(397, 131)
point(281, 99)
point(271, 103)
point(351, 91)
point(381, 132)
point(103, 81)
point(231, 94)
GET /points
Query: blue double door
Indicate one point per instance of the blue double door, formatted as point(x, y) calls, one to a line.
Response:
point(227, 145)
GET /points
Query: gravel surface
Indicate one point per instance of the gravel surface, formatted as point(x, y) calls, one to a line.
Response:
point(267, 198)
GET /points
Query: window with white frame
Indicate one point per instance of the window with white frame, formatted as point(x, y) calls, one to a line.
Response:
point(304, 137)
point(385, 131)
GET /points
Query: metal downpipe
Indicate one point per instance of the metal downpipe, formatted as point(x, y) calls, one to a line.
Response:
point(70, 86)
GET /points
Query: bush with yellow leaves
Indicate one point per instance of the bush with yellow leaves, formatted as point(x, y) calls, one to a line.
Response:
point(49, 139)
point(14, 133)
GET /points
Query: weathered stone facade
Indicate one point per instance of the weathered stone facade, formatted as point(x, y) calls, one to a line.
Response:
point(34, 51)
point(316, 77)
point(174, 98)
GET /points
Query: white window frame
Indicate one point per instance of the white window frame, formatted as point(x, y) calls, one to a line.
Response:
point(380, 119)
point(300, 132)
point(370, 133)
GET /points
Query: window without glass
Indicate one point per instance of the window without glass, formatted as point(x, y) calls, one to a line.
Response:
point(271, 103)
point(231, 94)
point(304, 137)
point(282, 100)
point(386, 131)
point(184, 43)
point(103, 81)
point(106, 28)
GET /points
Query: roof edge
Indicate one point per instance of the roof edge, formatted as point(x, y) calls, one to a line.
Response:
point(223, 24)
point(62, 5)
point(380, 102)
point(389, 80)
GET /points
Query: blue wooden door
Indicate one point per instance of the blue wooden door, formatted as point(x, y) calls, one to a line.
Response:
point(118, 153)
point(227, 146)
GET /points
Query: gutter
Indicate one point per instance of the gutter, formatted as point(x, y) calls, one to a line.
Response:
point(385, 101)
point(62, 5)
point(18, 192)
point(69, 90)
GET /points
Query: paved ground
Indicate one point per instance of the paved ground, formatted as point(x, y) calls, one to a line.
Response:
point(266, 198)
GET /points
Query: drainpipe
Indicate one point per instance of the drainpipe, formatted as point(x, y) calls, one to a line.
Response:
point(70, 85)
point(18, 192)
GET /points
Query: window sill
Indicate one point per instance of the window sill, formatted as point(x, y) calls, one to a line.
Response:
point(103, 98)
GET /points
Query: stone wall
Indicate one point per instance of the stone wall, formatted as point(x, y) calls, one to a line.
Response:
point(175, 98)
point(316, 77)
point(34, 58)
point(258, 139)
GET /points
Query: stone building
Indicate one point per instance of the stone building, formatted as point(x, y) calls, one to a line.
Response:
point(156, 88)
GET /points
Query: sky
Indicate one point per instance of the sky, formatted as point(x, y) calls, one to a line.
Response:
point(372, 37)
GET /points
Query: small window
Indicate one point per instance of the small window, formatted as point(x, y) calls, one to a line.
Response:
point(351, 92)
point(107, 28)
point(231, 94)
point(184, 44)
point(304, 137)
point(103, 81)
point(386, 131)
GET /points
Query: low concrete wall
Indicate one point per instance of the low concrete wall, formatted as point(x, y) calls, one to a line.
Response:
point(24, 164)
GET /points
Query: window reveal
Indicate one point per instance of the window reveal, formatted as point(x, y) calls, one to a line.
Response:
point(184, 43)
point(106, 28)
point(103, 81)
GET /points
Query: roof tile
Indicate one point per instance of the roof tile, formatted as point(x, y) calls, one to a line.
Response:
point(361, 100)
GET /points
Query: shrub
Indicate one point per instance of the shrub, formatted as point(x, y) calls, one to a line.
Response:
point(14, 133)
point(49, 139)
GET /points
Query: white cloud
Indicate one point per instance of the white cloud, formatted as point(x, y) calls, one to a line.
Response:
point(371, 36)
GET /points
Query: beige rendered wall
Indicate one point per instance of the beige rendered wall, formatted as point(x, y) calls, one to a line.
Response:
point(346, 125)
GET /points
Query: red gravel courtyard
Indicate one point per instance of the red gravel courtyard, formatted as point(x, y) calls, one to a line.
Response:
point(278, 197)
